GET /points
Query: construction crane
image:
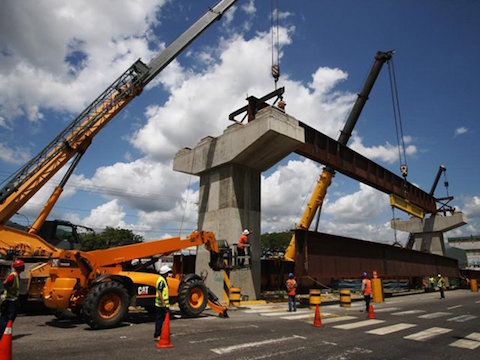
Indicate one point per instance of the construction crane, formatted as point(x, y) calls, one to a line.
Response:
point(325, 179)
point(74, 140)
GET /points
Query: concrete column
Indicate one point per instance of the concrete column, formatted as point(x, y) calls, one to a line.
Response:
point(230, 168)
point(229, 203)
point(428, 233)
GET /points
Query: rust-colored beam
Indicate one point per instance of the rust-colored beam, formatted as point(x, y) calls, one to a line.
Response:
point(327, 151)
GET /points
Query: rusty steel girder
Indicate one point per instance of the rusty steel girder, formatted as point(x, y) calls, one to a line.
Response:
point(327, 151)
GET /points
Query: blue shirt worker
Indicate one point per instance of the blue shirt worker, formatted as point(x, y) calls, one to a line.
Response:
point(162, 303)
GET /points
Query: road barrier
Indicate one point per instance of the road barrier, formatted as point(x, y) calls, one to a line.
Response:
point(314, 298)
point(345, 298)
point(235, 296)
point(473, 285)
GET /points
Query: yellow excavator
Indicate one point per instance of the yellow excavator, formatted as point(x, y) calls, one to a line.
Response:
point(325, 179)
point(67, 149)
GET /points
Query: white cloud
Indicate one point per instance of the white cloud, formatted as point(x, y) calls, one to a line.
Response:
point(472, 207)
point(13, 156)
point(109, 214)
point(460, 131)
point(387, 153)
point(359, 207)
point(58, 53)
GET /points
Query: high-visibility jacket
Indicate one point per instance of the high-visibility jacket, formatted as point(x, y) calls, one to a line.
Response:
point(243, 240)
point(291, 287)
point(441, 283)
point(367, 287)
point(13, 291)
point(162, 292)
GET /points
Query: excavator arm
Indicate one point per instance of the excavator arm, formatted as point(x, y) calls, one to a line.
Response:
point(325, 179)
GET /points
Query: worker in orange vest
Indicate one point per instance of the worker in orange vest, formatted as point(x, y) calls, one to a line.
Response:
point(291, 284)
point(241, 247)
point(366, 290)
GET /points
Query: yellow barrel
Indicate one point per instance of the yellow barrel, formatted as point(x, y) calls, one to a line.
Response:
point(474, 285)
point(377, 293)
point(314, 298)
point(345, 298)
point(235, 296)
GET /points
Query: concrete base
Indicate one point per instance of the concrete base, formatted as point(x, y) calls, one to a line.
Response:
point(229, 167)
point(428, 233)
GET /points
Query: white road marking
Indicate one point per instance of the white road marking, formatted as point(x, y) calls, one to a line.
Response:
point(305, 316)
point(253, 311)
point(387, 309)
point(285, 312)
point(337, 319)
point(462, 318)
point(390, 329)
point(359, 324)
point(229, 349)
point(454, 307)
point(298, 316)
point(434, 315)
point(477, 302)
point(408, 312)
point(465, 344)
point(276, 354)
point(427, 334)
point(473, 336)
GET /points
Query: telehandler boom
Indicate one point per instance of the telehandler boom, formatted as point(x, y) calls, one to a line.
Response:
point(94, 284)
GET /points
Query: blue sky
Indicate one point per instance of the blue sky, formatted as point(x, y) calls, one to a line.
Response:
point(58, 56)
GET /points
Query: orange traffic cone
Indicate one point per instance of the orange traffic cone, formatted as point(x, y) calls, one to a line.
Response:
point(317, 322)
point(371, 313)
point(6, 343)
point(164, 341)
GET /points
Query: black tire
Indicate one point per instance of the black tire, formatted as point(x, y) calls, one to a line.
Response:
point(193, 297)
point(106, 305)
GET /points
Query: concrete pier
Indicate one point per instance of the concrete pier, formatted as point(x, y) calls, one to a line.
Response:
point(230, 168)
point(428, 232)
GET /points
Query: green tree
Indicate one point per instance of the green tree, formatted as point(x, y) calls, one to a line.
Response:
point(111, 237)
point(274, 243)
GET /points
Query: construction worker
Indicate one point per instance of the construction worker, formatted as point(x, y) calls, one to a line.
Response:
point(366, 290)
point(441, 286)
point(241, 247)
point(291, 284)
point(162, 303)
point(10, 295)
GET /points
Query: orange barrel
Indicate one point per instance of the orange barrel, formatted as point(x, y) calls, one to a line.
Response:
point(235, 296)
point(314, 298)
point(377, 293)
point(345, 298)
point(473, 285)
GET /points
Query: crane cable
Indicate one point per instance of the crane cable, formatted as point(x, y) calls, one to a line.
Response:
point(402, 155)
point(275, 42)
point(398, 120)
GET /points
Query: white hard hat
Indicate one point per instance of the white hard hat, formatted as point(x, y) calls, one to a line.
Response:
point(246, 232)
point(165, 269)
point(439, 275)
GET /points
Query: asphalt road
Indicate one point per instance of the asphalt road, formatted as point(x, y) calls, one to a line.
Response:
point(409, 327)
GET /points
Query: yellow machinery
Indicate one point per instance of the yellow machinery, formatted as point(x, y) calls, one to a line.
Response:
point(318, 195)
point(94, 283)
point(68, 148)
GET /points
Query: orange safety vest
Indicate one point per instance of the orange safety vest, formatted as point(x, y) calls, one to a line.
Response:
point(291, 287)
point(367, 289)
point(243, 240)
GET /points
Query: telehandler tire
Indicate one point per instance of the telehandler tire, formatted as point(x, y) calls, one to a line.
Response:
point(193, 297)
point(106, 305)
